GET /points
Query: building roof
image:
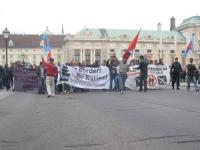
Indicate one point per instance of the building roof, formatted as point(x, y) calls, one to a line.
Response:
point(120, 34)
point(193, 21)
point(32, 41)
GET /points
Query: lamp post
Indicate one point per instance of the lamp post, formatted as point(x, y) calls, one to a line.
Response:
point(23, 56)
point(6, 35)
point(159, 29)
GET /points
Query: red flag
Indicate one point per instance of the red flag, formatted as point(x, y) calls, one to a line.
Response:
point(131, 46)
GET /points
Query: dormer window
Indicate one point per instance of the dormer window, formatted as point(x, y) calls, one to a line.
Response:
point(149, 36)
point(11, 44)
point(124, 36)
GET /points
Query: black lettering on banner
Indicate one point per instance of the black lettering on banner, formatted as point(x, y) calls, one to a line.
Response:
point(64, 74)
point(162, 80)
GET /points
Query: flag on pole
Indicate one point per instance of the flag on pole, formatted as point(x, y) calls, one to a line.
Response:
point(131, 46)
point(190, 47)
point(46, 44)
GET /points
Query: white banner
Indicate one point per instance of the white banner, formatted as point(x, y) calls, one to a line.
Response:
point(158, 77)
point(99, 78)
point(86, 77)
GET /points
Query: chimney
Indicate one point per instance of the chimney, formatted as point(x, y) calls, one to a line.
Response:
point(159, 27)
point(172, 24)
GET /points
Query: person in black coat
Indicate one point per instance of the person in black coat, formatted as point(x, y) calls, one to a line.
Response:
point(7, 75)
point(143, 66)
point(175, 72)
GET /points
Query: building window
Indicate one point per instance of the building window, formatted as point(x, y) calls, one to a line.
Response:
point(77, 55)
point(34, 57)
point(87, 56)
point(98, 56)
point(58, 58)
point(3, 50)
point(11, 57)
point(58, 50)
point(3, 57)
point(172, 51)
point(137, 50)
point(112, 50)
point(149, 51)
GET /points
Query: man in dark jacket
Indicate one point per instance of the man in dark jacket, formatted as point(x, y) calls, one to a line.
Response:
point(191, 71)
point(112, 64)
point(1, 77)
point(7, 77)
point(143, 66)
point(41, 77)
point(175, 72)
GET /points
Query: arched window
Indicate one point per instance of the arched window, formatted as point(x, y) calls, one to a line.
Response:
point(87, 56)
point(98, 56)
point(77, 55)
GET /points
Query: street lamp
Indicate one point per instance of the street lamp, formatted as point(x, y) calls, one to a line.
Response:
point(23, 56)
point(6, 35)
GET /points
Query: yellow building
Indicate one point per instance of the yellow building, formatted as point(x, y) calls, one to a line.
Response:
point(89, 45)
point(28, 48)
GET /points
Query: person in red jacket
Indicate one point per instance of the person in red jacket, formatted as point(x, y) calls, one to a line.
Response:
point(51, 75)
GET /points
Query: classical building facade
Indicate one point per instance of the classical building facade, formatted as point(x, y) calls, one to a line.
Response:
point(90, 45)
point(191, 27)
point(28, 48)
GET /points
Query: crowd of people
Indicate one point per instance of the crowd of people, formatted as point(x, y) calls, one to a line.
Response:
point(47, 73)
point(177, 73)
point(6, 77)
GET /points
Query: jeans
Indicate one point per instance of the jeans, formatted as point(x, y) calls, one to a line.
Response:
point(143, 81)
point(176, 78)
point(41, 89)
point(121, 81)
point(112, 78)
point(193, 79)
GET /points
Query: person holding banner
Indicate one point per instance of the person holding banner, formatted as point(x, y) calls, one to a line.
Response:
point(41, 77)
point(51, 74)
point(112, 64)
point(122, 74)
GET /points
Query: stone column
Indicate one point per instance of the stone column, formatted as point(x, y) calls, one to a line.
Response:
point(91, 58)
point(83, 53)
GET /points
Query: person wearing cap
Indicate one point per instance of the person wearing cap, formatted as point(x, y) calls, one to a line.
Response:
point(143, 66)
point(191, 71)
point(51, 74)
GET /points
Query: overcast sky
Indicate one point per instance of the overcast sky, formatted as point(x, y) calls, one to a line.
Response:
point(32, 16)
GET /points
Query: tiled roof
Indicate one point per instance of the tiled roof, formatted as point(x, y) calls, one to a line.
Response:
point(32, 40)
point(117, 34)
